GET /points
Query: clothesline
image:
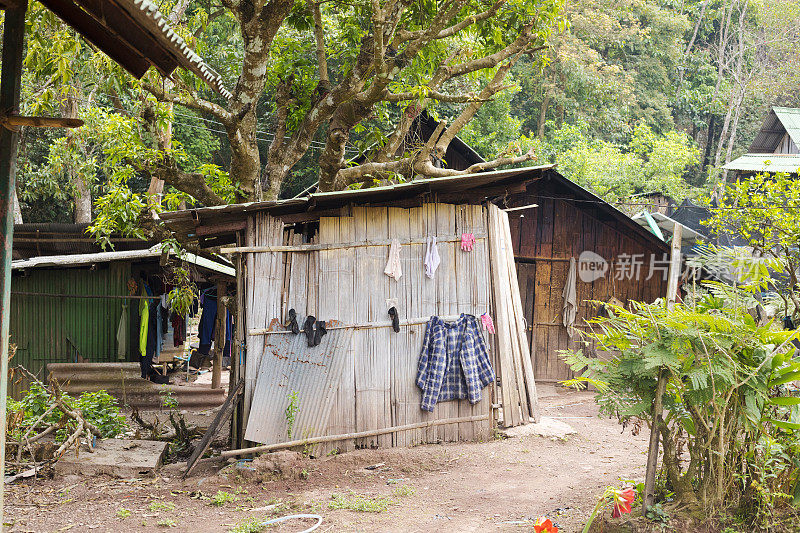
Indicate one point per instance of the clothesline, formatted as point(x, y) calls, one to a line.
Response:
point(365, 325)
point(337, 246)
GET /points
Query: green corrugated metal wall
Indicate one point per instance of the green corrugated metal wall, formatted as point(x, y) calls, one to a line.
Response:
point(51, 329)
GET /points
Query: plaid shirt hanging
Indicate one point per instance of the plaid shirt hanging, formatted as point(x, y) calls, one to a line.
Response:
point(454, 362)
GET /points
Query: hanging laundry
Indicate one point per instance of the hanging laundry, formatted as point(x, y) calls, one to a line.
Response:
point(292, 324)
point(393, 268)
point(208, 321)
point(178, 329)
point(432, 259)
point(570, 294)
point(454, 362)
point(395, 319)
point(308, 329)
point(467, 241)
point(144, 321)
point(122, 333)
point(487, 322)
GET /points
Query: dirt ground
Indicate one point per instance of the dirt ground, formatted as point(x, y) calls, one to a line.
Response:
point(502, 485)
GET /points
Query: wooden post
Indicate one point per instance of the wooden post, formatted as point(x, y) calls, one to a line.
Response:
point(219, 337)
point(10, 83)
point(652, 452)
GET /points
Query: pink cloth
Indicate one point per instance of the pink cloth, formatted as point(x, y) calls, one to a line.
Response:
point(487, 322)
point(467, 241)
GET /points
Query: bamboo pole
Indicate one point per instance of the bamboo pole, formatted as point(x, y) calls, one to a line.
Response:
point(347, 436)
point(335, 246)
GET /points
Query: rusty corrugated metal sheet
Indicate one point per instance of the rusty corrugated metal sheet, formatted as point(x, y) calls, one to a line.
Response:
point(289, 365)
point(49, 330)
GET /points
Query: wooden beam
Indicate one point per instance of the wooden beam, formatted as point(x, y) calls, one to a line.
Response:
point(10, 86)
point(15, 121)
point(218, 229)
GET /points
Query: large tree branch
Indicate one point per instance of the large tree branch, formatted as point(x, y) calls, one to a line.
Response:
point(405, 35)
point(190, 100)
point(192, 183)
point(319, 37)
point(439, 96)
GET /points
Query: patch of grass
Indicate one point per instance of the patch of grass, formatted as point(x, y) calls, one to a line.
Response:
point(221, 498)
point(360, 503)
point(167, 522)
point(251, 525)
point(123, 513)
point(161, 506)
point(403, 490)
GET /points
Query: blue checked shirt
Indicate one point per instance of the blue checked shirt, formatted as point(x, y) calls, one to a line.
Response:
point(454, 362)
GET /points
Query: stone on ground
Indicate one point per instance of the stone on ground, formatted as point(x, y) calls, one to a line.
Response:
point(547, 427)
point(121, 458)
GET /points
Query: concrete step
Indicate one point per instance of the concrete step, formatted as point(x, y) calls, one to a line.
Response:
point(123, 381)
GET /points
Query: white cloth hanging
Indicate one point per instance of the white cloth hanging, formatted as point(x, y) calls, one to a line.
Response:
point(432, 258)
point(393, 268)
point(570, 294)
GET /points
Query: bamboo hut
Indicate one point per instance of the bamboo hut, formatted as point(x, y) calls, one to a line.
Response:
point(324, 256)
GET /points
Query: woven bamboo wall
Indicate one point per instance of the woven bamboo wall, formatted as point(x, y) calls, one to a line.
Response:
point(378, 387)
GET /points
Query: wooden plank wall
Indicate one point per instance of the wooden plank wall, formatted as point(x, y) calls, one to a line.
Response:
point(544, 239)
point(378, 388)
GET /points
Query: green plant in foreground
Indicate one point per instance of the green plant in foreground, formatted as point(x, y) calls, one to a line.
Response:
point(291, 412)
point(251, 525)
point(123, 513)
point(167, 522)
point(725, 396)
point(168, 399)
point(403, 490)
point(359, 503)
point(221, 498)
point(161, 506)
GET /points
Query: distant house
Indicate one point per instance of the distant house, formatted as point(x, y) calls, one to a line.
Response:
point(775, 148)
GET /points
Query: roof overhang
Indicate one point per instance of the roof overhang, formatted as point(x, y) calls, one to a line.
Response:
point(665, 223)
point(766, 163)
point(76, 260)
point(134, 34)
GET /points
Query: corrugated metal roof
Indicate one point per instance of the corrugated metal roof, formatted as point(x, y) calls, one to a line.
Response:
point(466, 187)
point(668, 224)
point(289, 366)
point(125, 255)
point(134, 34)
point(790, 118)
point(766, 163)
point(779, 121)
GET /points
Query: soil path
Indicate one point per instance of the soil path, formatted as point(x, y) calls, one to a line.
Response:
point(502, 485)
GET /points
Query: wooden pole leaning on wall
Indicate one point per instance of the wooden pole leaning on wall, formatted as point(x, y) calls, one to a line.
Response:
point(348, 436)
point(219, 337)
point(661, 386)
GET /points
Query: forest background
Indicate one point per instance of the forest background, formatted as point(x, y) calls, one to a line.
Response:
point(626, 96)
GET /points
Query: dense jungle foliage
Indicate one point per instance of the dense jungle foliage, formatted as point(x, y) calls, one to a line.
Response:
point(626, 96)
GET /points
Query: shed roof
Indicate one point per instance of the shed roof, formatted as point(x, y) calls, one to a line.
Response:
point(125, 255)
point(779, 122)
point(467, 188)
point(770, 162)
point(134, 34)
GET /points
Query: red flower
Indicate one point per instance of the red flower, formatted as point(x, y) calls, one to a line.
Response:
point(544, 525)
point(622, 501)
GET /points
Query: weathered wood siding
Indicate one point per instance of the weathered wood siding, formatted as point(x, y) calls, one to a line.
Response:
point(378, 388)
point(545, 238)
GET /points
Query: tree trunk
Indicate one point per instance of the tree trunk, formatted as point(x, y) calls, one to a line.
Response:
point(543, 115)
point(156, 187)
point(82, 213)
